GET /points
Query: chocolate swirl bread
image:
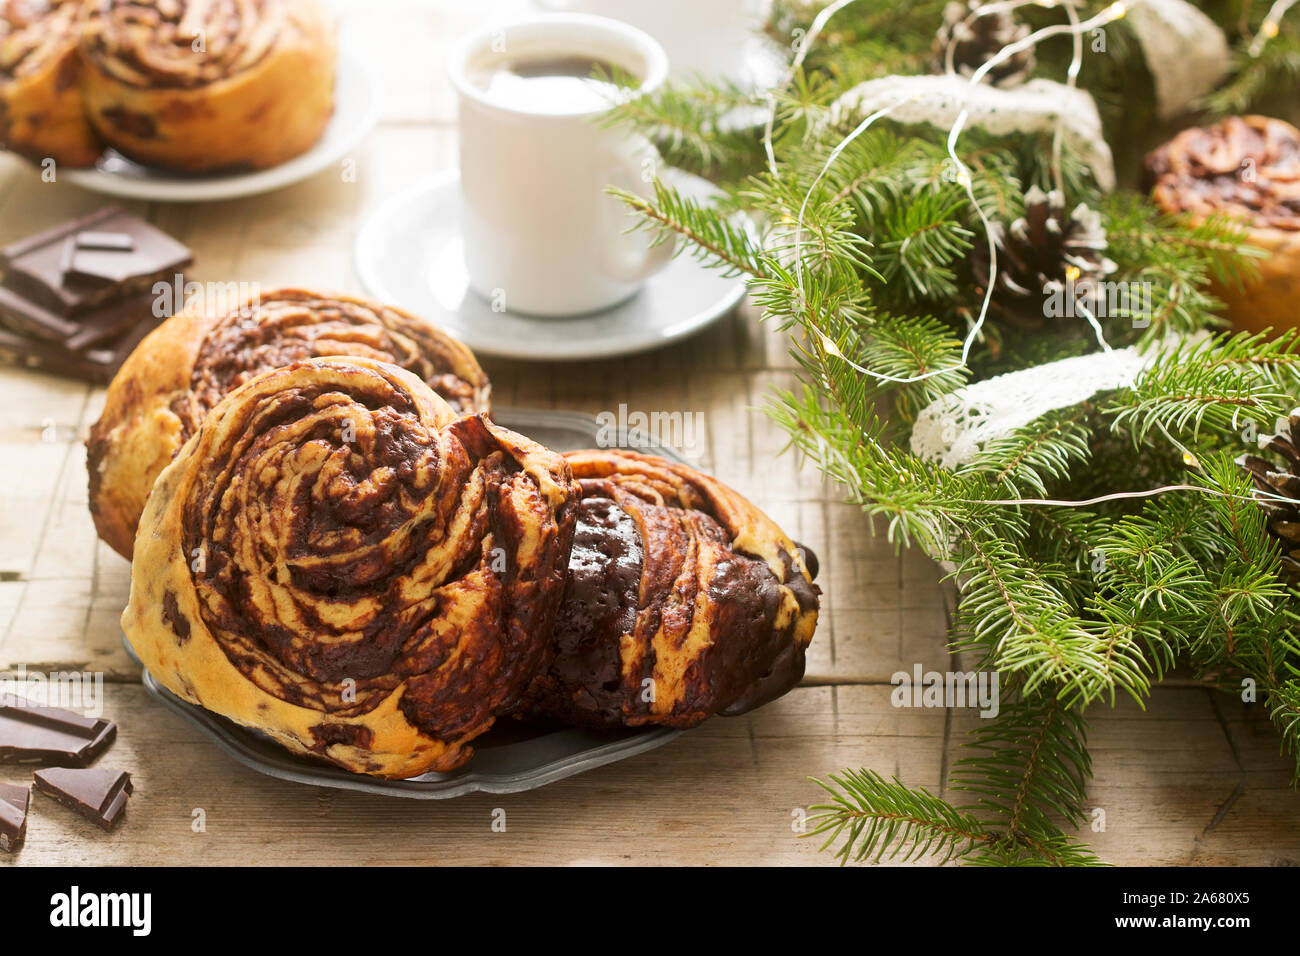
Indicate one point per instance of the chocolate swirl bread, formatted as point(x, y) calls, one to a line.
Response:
point(337, 559)
point(190, 362)
point(1246, 168)
point(201, 85)
point(683, 600)
point(41, 111)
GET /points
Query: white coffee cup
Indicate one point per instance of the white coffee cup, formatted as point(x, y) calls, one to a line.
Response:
point(710, 40)
point(542, 236)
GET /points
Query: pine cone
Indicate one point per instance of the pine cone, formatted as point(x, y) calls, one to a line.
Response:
point(975, 40)
point(1045, 253)
point(1278, 492)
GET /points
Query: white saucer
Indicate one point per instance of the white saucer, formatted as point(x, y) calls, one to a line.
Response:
point(356, 110)
point(409, 253)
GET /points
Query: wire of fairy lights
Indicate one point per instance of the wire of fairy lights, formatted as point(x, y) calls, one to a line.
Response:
point(1269, 28)
point(1074, 27)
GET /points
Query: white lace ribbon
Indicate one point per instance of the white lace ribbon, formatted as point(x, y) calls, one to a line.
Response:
point(956, 427)
point(1032, 107)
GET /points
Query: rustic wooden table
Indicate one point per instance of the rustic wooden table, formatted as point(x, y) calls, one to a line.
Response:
point(1195, 779)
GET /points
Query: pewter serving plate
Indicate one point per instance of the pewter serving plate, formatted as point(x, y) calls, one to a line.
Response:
point(512, 756)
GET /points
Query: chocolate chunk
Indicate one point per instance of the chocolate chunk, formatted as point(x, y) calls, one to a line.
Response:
point(113, 354)
point(98, 794)
point(119, 241)
point(65, 256)
point(31, 319)
point(102, 348)
point(109, 323)
point(51, 357)
point(13, 816)
point(50, 735)
point(35, 266)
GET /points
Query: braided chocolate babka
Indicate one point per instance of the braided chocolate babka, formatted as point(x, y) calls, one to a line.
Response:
point(339, 560)
point(186, 365)
point(683, 600)
point(41, 110)
point(212, 85)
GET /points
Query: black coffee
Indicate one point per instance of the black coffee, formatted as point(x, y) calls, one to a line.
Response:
point(557, 84)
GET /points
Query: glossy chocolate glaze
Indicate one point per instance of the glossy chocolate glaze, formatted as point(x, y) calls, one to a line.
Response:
point(600, 599)
point(653, 575)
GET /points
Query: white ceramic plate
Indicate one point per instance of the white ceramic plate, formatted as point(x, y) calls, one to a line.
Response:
point(356, 110)
point(409, 252)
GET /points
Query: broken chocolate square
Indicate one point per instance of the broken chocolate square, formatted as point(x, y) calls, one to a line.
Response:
point(13, 816)
point(37, 267)
point(98, 794)
point(50, 735)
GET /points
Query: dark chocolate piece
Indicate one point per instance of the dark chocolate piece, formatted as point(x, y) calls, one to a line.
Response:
point(108, 324)
point(98, 794)
point(65, 257)
point(103, 348)
point(50, 735)
point(13, 816)
point(35, 269)
point(50, 357)
point(28, 317)
point(112, 355)
point(120, 241)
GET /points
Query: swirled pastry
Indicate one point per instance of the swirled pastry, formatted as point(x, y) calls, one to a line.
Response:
point(200, 85)
point(1246, 168)
point(683, 600)
point(41, 113)
point(338, 560)
point(186, 365)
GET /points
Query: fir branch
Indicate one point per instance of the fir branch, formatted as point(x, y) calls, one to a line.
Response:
point(872, 815)
point(1030, 457)
point(1022, 625)
point(715, 239)
point(1218, 382)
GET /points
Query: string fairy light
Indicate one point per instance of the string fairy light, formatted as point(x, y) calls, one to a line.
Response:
point(1124, 495)
point(962, 176)
point(1269, 28)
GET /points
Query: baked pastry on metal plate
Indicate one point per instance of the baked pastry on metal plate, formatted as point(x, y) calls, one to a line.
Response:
point(337, 559)
point(42, 114)
point(185, 366)
point(1245, 168)
point(205, 85)
point(683, 600)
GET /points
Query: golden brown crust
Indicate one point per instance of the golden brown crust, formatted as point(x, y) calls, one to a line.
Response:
point(41, 110)
point(336, 559)
point(187, 364)
point(1245, 168)
point(683, 600)
point(203, 87)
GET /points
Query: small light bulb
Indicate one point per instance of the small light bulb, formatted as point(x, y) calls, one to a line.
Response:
point(1269, 29)
point(1190, 460)
point(1072, 273)
point(1117, 10)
